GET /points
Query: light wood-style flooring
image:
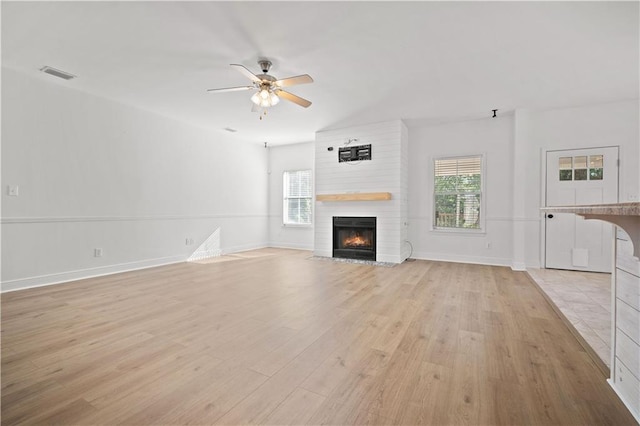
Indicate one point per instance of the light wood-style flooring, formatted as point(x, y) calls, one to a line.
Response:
point(584, 298)
point(277, 337)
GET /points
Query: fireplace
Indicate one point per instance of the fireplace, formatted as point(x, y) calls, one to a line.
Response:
point(354, 237)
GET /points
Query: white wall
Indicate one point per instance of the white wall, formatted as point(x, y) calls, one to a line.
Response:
point(595, 126)
point(383, 173)
point(514, 146)
point(492, 137)
point(96, 173)
point(590, 126)
point(287, 158)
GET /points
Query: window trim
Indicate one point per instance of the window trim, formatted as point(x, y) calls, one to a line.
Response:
point(483, 178)
point(285, 198)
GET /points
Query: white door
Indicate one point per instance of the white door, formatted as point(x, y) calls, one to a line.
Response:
point(580, 177)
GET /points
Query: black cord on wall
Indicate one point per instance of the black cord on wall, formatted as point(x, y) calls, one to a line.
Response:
point(411, 246)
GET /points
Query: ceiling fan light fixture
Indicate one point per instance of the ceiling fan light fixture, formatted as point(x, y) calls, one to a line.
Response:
point(265, 98)
point(265, 103)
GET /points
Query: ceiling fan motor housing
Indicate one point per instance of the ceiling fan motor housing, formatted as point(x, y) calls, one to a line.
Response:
point(265, 65)
point(267, 77)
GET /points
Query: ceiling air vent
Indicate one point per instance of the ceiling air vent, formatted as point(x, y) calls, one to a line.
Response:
point(57, 73)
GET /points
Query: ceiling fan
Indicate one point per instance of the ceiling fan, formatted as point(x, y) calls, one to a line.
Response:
point(268, 88)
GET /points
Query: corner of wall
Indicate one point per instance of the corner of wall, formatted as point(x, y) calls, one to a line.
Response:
point(518, 266)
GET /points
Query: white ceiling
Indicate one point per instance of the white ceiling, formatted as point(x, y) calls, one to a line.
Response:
point(371, 61)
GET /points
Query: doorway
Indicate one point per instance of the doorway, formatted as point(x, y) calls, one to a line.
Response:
point(580, 177)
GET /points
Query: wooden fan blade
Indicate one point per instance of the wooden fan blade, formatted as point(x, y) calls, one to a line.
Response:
point(244, 70)
point(292, 81)
point(293, 98)
point(230, 89)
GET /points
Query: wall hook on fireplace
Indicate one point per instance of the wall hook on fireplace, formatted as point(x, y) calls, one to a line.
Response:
point(494, 113)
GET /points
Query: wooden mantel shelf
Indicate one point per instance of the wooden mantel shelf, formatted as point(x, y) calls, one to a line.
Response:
point(356, 196)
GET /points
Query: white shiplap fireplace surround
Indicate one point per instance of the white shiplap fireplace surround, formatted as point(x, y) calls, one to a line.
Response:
point(387, 171)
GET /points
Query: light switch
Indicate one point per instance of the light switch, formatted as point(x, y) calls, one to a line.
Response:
point(12, 190)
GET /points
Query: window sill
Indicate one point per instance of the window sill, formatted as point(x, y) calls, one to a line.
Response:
point(458, 231)
point(297, 225)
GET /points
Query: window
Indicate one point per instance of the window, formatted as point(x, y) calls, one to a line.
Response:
point(297, 197)
point(578, 168)
point(457, 192)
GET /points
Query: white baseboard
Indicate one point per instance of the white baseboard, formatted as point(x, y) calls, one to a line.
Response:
point(80, 274)
point(388, 258)
point(624, 401)
point(480, 260)
point(243, 247)
point(518, 266)
point(292, 246)
point(63, 277)
point(533, 264)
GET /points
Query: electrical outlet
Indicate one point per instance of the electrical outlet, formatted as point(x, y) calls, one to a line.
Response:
point(13, 190)
point(188, 241)
point(97, 252)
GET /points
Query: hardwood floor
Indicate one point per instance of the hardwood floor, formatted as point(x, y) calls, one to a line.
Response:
point(276, 337)
point(584, 298)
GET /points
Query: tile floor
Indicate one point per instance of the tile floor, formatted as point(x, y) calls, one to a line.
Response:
point(585, 299)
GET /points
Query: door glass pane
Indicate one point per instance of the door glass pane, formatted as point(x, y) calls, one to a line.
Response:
point(580, 174)
point(565, 163)
point(595, 167)
point(595, 161)
point(595, 174)
point(580, 162)
point(566, 174)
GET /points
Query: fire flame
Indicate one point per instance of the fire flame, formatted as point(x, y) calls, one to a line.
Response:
point(356, 241)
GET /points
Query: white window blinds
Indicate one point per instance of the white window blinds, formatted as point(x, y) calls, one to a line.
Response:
point(458, 166)
point(297, 203)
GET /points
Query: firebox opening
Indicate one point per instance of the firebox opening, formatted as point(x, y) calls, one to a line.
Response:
point(356, 240)
point(354, 237)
